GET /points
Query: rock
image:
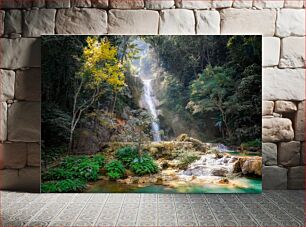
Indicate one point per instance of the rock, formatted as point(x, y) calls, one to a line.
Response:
point(221, 172)
point(39, 21)
point(3, 121)
point(178, 21)
point(248, 21)
point(15, 4)
point(221, 4)
point(290, 22)
point(39, 4)
point(252, 165)
point(242, 4)
point(156, 5)
point(81, 21)
point(126, 4)
point(277, 129)
point(289, 154)
point(285, 107)
point(99, 3)
point(80, 3)
point(293, 52)
point(24, 122)
point(276, 86)
point(20, 53)
point(25, 180)
point(271, 51)
point(86, 142)
point(33, 155)
point(28, 84)
point(293, 4)
point(2, 14)
point(208, 22)
point(13, 21)
point(303, 153)
point(274, 177)
point(299, 122)
point(55, 4)
point(7, 82)
point(191, 4)
point(140, 22)
point(296, 178)
point(182, 138)
point(267, 107)
point(223, 181)
point(262, 4)
point(13, 155)
point(269, 154)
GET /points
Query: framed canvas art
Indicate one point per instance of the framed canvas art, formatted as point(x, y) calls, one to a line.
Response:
point(151, 114)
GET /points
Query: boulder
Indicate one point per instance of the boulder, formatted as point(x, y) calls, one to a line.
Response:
point(252, 166)
point(277, 129)
point(269, 154)
point(221, 172)
point(285, 107)
point(274, 177)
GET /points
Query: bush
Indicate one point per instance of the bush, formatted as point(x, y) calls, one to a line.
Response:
point(126, 155)
point(115, 170)
point(144, 165)
point(68, 185)
point(186, 159)
point(57, 174)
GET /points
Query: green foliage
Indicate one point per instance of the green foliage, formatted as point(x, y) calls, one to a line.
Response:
point(68, 185)
point(187, 158)
point(75, 168)
point(50, 154)
point(144, 165)
point(126, 155)
point(115, 170)
point(252, 143)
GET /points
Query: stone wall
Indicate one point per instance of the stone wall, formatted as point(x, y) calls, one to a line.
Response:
point(281, 22)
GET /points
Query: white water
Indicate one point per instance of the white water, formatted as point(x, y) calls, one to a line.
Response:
point(210, 166)
point(149, 101)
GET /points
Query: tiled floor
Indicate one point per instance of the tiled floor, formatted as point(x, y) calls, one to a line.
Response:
point(271, 208)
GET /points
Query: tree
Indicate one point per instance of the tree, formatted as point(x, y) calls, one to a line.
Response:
point(100, 65)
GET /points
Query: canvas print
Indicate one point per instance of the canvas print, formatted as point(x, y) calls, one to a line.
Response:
point(151, 114)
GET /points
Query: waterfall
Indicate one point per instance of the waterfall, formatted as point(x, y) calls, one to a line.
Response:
point(149, 101)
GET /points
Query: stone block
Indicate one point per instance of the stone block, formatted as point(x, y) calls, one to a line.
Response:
point(285, 107)
point(269, 154)
point(15, 4)
point(293, 52)
point(100, 3)
point(7, 82)
point(242, 4)
point(289, 154)
point(262, 4)
point(2, 14)
point(13, 155)
point(290, 22)
point(296, 178)
point(80, 3)
point(28, 84)
point(24, 122)
point(293, 3)
point(55, 4)
point(81, 21)
point(33, 154)
point(221, 3)
point(20, 53)
point(192, 4)
point(13, 21)
point(299, 122)
point(283, 84)
point(277, 130)
point(208, 22)
point(3, 121)
point(177, 21)
point(159, 4)
point(303, 154)
point(126, 4)
point(39, 3)
point(274, 177)
point(267, 107)
point(270, 51)
point(25, 180)
point(140, 22)
point(248, 21)
point(39, 22)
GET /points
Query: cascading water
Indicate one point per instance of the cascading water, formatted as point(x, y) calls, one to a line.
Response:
point(149, 101)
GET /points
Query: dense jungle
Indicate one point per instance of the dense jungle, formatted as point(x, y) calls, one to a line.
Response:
point(157, 114)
